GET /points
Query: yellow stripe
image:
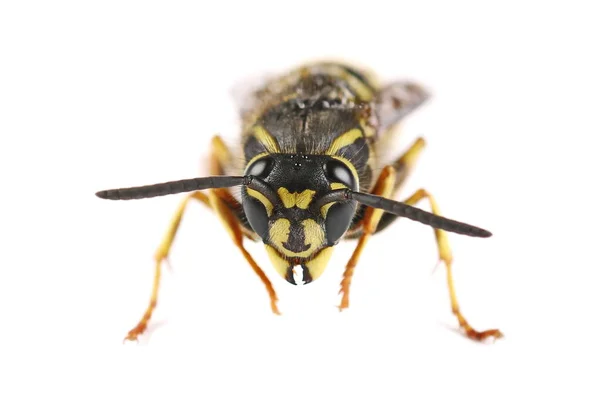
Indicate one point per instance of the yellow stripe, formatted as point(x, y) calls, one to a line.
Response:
point(325, 208)
point(344, 140)
point(265, 138)
point(262, 199)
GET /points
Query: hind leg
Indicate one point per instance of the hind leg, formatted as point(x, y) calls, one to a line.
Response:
point(445, 255)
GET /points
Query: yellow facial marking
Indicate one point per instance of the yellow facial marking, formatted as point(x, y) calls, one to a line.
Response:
point(344, 140)
point(265, 138)
point(314, 237)
point(313, 234)
point(279, 232)
point(280, 264)
point(337, 186)
point(317, 265)
point(325, 209)
point(301, 200)
point(267, 204)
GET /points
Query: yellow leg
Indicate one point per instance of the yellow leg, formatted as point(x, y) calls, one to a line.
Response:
point(161, 254)
point(446, 257)
point(406, 163)
point(220, 157)
point(383, 187)
point(234, 228)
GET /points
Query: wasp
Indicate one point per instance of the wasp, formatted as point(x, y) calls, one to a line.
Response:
point(311, 177)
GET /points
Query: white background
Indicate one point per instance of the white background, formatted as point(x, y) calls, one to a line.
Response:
point(110, 94)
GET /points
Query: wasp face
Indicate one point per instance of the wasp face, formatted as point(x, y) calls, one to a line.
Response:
point(286, 213)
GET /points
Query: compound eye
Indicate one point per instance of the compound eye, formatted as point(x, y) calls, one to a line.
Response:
point(260, 168)
point(257, 216)
point(338, 220)
point(336, 171)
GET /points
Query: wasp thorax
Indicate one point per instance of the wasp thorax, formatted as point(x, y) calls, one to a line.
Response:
point(286, 213)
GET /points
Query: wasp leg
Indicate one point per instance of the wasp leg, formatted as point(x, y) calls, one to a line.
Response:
point(383, 187)
point(234, 227)
point(221, 156)
point(160, 255)
point(406, 163)
point(446, 257)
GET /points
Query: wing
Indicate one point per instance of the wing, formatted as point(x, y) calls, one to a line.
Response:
point(396, 100)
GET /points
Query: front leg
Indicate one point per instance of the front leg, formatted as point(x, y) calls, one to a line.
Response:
point(234, 227)
point(384, 187)
point(161, 255)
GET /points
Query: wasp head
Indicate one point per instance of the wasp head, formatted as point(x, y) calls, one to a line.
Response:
point(283, 209)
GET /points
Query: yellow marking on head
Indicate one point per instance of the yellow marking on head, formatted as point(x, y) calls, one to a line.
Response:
point(317, 265)
point(344, 140)
point(314, 237)
point(325, 209)
point(313, 234)
point(264, 200)
point(265, 138)
point(279, 232)
point(301, 200)
point(337, 186)
point(280, 264)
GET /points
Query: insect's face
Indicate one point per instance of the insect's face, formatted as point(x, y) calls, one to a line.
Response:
point(296, 229)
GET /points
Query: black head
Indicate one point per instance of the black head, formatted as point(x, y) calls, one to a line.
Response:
point(287, 215)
